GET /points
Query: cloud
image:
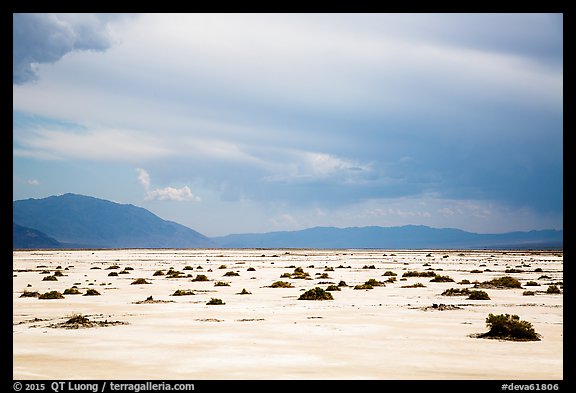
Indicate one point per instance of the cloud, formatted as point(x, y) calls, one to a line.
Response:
point(33, 182)
point(167, 193)
point(46, 38)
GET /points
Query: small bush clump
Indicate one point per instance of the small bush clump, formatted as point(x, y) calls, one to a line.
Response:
point(50, 278)
point(478, 295)
point(231, 274)
point(72, 291)
point(158, 273)
point(553, 289)
point(333, 288)
point(139, 281)
point(418, 274)
point(183, 292)
point(215, 301)
point(375, 283)
point(244, 292)
point(91, 292)
point(417, 285)
point(221, 284)
point(316, 294)
point(281, 284)
point(200, 277)
point(501, 282)
point(528, 293)
point(456, 292)
point(509, 327)
point(363, 286)
point(29, 294)
point(439, 278)
point(51, 295)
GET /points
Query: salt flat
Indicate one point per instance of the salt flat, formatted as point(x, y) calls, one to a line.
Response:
point(388, 332)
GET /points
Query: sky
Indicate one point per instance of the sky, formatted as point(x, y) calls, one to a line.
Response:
point(238, 123)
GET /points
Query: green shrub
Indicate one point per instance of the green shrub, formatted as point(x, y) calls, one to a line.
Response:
point(439, 278)
point(139, 281)
point(363, 286)
point(501, 282)
point(416, 285)
point(281, 284)
point(375, 283)
point(215, 301)
point(478, 295)
point(51, 295)
point(316, 294)
point(200, 277)
point(333, 288)
point(91, 292)
point(509, 327)
point(183, 292)
point(29, 294)
point(456, 292)
point(418, 274)
point(72, 291)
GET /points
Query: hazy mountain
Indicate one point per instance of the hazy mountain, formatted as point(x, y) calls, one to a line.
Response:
point(91, 222)
point(24, 237)
point(403, 237)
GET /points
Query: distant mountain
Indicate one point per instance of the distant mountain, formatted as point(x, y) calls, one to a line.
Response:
point(83, 221)
point(31, 238)
point(402, 237)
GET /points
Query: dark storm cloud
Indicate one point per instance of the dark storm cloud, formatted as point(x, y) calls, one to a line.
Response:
point(46, 38)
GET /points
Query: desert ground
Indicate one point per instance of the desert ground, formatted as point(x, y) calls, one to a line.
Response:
point(392, 331)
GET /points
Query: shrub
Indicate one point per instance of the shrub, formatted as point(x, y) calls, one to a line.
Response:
point(58, 273)
point(113, 267)
point(183, 292)
point(139, 281)
point(439, 278)
point(509, 327)
point(389, 273)
point(464, 281)
point(112, 274)
point(538, 270)
point(316, 294)
point(29, 294)
point(502, 282)
point(281, 284)
point(158, 273)
point(368, 267)
point(72, 291)
point(417, 285)
point(528, 293)
point(375, 283)
point(215, 301)
point(475, 271)
point(342, 284)
point(221, 284)
point(50, 278)
point(51, 295)
point(418, 274)
point(456, 292)
point(231, 274)
point(333, 288)
point(323, 275)
point(478, 295)
point(223, 267)
point(251, 269)
point(91, 292)
point(363, 286)
point(200, 277)
point(513, 271)
point(329, 269)
point(532, 284)
point(244, 292)
point(553, 289)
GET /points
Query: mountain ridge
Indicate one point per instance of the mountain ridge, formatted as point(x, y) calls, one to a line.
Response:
point(78, 219)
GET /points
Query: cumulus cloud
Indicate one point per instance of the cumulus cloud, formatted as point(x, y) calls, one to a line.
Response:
point(164, 194)
point(46, 38)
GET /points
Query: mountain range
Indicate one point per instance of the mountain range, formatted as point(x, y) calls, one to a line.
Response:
point(78, 221)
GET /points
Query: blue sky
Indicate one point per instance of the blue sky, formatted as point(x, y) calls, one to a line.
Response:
point(232, 123)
